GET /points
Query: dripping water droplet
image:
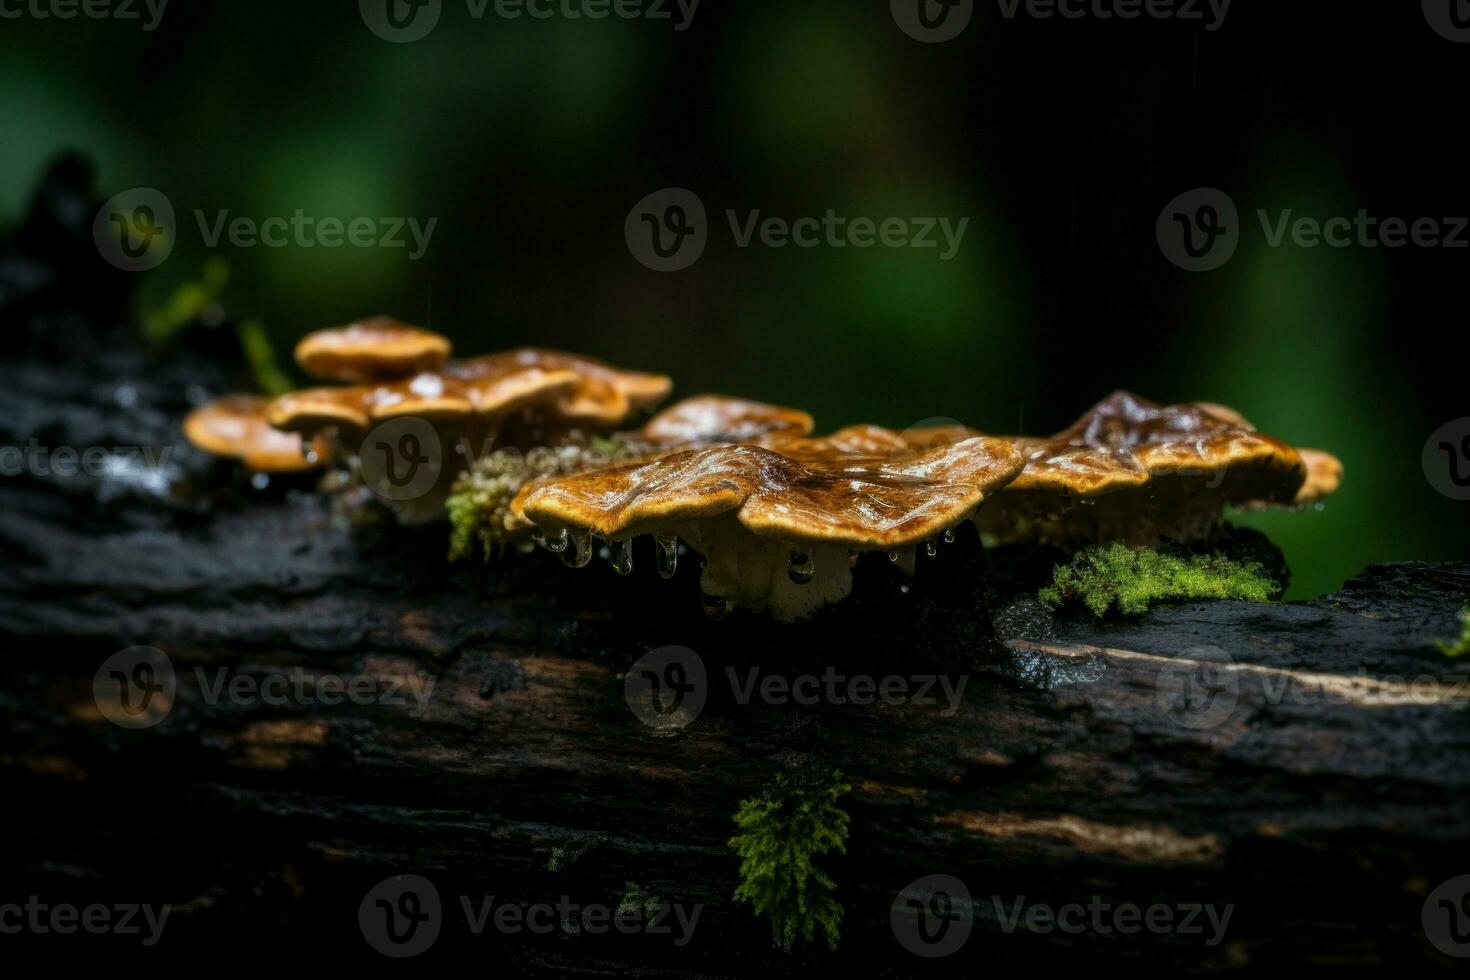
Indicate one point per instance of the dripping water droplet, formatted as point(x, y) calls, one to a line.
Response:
point(558, 544)
point(260, 481)
point(949, 536)
point(622, 556)
point(578, 551)
point(893, 557)
point(801, 568)
point(667, 546)
point(931, 548)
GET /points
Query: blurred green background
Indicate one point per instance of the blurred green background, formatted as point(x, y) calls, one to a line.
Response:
point(1061, 141)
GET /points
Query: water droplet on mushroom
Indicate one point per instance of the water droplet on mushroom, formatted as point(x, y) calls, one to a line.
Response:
point(715, 607)
point(904, 588)
point(622, 556)
point(667, 549)
point(578, 551)
point(893, 557)
point(931, 548)
point(949, 536)
point(1320, 507)
point(556, 545)
point(260, 481)
point(800, 566)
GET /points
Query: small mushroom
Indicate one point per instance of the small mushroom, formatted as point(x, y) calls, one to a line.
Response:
point(777, 527)
point(236, 426)
point(375, 349)
point(1134, 471)
point(523, 398)
point(706, 420)
point(1324, 476)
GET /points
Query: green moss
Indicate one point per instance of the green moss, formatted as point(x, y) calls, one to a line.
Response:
point(783, 830)
point(479, 501)
point(479, 506)
point(1461, 646)
point(1131, 580)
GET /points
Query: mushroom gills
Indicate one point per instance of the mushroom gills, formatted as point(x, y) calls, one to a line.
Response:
point(753, 572)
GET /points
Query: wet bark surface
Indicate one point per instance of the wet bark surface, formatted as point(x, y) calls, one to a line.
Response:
point(1304, 766)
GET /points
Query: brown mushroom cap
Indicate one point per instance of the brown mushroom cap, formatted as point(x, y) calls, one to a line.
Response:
point(236, 426)
point(463, 389)
point(605, 396)
point(375, 349)
point(1183, 464)
point(709, 419)
point(829, 496)
point(1324, 476)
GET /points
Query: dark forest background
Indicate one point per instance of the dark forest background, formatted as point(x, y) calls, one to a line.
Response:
point(1060, 140)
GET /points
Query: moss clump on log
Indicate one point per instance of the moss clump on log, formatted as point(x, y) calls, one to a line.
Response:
point(784, 829)
point(1131, 580)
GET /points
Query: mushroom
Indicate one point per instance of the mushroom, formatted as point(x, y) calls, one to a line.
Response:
point(1134, 471)
point(778, 527)
point(236, 426)
point(522, 398)
point(1324, 476)
point(374, 349)
point(710, 419)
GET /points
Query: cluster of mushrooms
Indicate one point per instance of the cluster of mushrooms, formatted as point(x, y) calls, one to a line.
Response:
point(779, 516)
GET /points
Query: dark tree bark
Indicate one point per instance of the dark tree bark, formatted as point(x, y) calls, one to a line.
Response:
point(1277, 759)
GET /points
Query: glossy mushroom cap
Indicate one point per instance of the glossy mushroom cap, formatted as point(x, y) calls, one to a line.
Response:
point(1132, 470)
point(709, 419)
point(376, 349)
point(748, 509)
point(1324, 476)
point(236, 426)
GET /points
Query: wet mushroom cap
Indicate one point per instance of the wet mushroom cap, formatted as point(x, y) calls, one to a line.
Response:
point(1125, 442)
point(463, 389)
point(376, 349)
point(605, 395)
point(1324, 476)
point(709, 419)
point(236, 426)
point(866, 502)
